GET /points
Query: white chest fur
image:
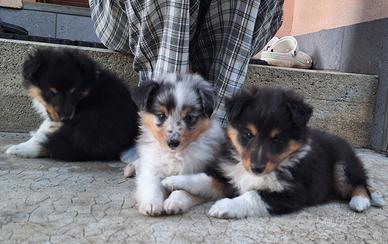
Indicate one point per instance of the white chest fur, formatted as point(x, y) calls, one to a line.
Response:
point(247, 181)
point(193, 159)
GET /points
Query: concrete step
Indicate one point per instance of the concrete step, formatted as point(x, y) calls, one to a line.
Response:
point(343, 103)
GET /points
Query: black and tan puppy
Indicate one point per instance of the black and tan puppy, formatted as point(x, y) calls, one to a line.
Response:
point(88, 112)
point(277, 164)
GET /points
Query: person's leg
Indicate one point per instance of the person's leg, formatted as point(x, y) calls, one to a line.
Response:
point(157, 33)
point(232, 32)
point(111, 24)
point(163, 35)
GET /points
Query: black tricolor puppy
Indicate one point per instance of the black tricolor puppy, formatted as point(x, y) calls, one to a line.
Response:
point(279, 164)
point(88, 112)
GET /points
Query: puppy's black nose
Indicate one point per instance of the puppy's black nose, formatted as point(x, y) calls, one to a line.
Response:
point(173, 143)
point(258, 168)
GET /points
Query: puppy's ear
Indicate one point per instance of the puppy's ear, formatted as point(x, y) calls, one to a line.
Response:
point(300, 111)
point(32, 66)
point(207, 95)
point(235, 105)
point(141, 95)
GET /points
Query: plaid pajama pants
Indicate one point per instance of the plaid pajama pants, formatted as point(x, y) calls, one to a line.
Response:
point(215, 37)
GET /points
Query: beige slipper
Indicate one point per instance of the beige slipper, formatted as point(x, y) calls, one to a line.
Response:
point(285, 53)
point(266, 48)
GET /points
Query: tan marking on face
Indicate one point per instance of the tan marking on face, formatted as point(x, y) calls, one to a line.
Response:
point(274, 133)
point(54, 115)
point(269, 167)
point(244, 154)
point(276, 160)
point(188, 136)
point(159, 133)
point(185, 111)
point(233, 137)
point(36, 93)
point(360, 191)
point(252, 128)
point(246, 160)
point(163, 110)
point(293, 146)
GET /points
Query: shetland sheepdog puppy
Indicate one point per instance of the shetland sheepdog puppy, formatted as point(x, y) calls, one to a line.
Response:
point(277, 163)
point(177, 136)
point(88, 113)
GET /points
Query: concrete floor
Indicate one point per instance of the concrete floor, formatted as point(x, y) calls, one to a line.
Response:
point(43, 201)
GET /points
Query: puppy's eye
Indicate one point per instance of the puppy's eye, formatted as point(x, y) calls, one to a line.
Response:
point(190, 119)
point(161, 117)
point(277, 140)
point(247, 134)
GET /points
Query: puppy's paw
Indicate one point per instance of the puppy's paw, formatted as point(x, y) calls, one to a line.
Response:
point(224, 209)
point(377, 199)
point(175, 182)
point(25, 150)
point(359, 203)
point(177, 202)
point(151, 208)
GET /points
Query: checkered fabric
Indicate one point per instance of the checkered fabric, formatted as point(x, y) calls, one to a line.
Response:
point(215, 37)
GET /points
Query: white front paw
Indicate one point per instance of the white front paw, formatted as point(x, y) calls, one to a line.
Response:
point(151, 208)
point(377, 199)
point(224, 208)
point(177, 202)
point(175, 182)
point(25, 150)
point(359, 203)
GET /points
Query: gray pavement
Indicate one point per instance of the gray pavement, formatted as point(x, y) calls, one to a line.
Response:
point(46, 201)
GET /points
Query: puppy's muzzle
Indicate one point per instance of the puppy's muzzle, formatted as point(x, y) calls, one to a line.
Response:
point(66, 113)
point(257, 168)
point(64, 117)
point(173, 143)
point(174, 140)
point(259, 161)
